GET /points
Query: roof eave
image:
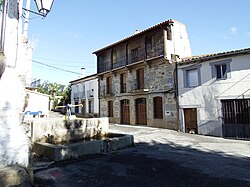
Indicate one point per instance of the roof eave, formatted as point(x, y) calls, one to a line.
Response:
point(169, 22)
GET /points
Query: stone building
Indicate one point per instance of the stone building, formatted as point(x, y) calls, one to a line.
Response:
point(137, 76)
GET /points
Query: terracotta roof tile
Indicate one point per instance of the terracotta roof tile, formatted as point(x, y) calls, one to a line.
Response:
point(170, 21)
point(205, 57)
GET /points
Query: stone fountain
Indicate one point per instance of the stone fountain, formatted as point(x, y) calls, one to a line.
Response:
point(61, 139)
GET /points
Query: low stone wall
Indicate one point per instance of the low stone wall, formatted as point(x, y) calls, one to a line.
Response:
point(57, 130)
point(75, 150)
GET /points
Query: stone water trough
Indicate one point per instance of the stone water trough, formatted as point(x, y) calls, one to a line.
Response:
point(61, 140)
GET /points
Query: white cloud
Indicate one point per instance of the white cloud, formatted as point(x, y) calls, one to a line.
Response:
point(225, 37)
point(233, 30)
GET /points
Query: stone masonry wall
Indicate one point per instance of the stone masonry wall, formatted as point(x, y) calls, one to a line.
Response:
point(159, 82)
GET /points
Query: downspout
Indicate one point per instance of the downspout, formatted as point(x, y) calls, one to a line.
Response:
point(99, 89)
point(177, 93)
point(2, 4)
point(2, 56)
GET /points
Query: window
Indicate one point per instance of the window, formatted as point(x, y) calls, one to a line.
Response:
point(192, 76)
point(109, 85)
point(158, 112)
point(123, 83)
point(140, 78)
point(90, 107)
point(220, 69)
point(169, 33)
point(110, 108)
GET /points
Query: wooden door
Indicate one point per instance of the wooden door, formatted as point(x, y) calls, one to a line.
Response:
point(76, 107)
point(125, 112)
point(190, 116)
point(83, 107)
point(141, 111)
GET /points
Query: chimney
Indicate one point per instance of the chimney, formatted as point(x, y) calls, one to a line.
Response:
point(82, 72)
point(137, 31)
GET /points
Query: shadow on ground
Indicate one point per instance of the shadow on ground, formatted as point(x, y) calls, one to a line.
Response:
point(149, 164)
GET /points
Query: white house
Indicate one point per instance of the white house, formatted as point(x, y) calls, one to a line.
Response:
point(214, 94)
point(37, 102)
point(85, 91)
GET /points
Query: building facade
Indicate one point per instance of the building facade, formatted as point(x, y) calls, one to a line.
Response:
point(85, 91)
point(214, 94)
point(137, 76)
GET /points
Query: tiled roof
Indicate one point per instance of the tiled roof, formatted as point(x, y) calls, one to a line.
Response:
point(206, 57)
point(170, 21)
point(93, 76)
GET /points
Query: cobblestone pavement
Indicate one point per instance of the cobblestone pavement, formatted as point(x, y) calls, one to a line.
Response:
point(160, 158)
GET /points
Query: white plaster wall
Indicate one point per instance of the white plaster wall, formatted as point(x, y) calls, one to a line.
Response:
point(38, 102)
point(180, 40)
point(93, 84)
point(89, 84)
point(14, 146)
point(206, 98)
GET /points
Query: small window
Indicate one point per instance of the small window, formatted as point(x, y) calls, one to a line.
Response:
point(158, 112)
point(110, 108)
point(169, 33)
point(221, 71)
point(192, 77)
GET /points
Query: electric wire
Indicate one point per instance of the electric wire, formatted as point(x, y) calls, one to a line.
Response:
point(65, 70)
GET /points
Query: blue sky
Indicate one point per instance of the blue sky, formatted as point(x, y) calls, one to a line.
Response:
point(73, 30)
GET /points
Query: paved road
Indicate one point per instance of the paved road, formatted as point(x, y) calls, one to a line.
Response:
point(160, 158)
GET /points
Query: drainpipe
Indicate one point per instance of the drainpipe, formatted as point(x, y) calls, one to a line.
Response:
point(2, 56)
point(2, 26)
point(177, 92)
point(26, 20)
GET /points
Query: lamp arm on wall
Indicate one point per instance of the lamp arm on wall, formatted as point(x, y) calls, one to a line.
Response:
point(34, 12)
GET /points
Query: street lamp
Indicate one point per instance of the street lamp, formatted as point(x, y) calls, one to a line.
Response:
point(43, 7)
